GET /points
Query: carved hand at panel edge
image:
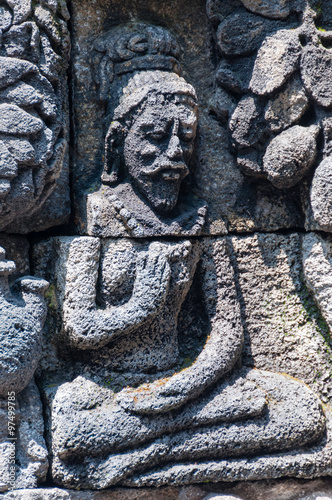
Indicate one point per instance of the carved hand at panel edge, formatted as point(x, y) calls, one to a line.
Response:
point(23, 313)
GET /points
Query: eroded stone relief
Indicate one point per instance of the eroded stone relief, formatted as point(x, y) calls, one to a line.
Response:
point(147, 335)
point(24, 456)
point(172, 352)
point(283, 96)
point(121, 403)
point(150, 141)
point(34, 124)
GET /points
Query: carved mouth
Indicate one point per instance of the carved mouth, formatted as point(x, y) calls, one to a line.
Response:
point(171, 175)
point(170, 172)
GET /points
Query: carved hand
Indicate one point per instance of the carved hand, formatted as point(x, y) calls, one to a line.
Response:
point(92, 328)
point(152, 279)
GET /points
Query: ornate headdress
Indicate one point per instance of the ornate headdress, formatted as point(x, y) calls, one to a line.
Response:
point(134, 47)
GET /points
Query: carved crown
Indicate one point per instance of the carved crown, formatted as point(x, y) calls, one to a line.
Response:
point(134, 47)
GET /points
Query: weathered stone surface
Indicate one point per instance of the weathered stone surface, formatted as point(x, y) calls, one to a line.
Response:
point(33, 125)
point(277, 59)
point(29, 449)
point(92, 400)
point(316, 73)
point(247, 123)
point(287, 107)
point(321, 195)
point(146, 164)
point(228, 79)
point(231, 470)
point(317, 270)
point(251, 163)
point(275, 9)
point(23, 454)
point(242, 33)
point(127, 316)
point(22, 319)
point(234, 204)
point(222, 105)
point(282, 489)
point(17, 249)
point(284, 329)
point(21, 8)
point(290, 155)
point(212, 496)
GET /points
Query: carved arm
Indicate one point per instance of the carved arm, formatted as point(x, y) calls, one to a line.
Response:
point(220, 353)
point(88, 327)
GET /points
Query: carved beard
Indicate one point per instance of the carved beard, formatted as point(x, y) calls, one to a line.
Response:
point(162, 195)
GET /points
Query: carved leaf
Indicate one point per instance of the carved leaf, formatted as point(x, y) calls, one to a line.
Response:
point(277, 59)
point(13, 120)
point(33, 61)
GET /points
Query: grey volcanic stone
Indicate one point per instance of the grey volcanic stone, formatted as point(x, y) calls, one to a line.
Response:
point(23, 312)
point(143, 182)
point(16, 121)
point(21, 8)
point(247, 124)
point(287, 107)
point(22, 320)
point(321, 195)
point(303, 428)
point(222, 105)
point(212, 496)
point(275, 9)
point(284, 329)
point(31, 450)
point(272, 465)
point(17, 249)
point(34, 121)
point(317, 267)
point(281, 489)
point(241, 33)
point(122, 425)
point(250, 162)
point(316, 72)
point(234, 202)
point(229, 80)
point(277, 59)
point(290, 155)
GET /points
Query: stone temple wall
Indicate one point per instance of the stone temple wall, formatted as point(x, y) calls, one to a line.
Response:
point(165, 249)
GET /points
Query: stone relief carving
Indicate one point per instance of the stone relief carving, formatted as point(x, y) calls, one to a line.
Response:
point(122, 409)
point(147, 374)
point(23, 312)
point(150, 141)
point(34, 55)
point(277, 74)
point(148, 333)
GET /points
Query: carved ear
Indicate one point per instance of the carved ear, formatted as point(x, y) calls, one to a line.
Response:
point(113, 153)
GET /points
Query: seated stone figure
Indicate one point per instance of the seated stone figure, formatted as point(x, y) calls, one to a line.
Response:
point(147, 387)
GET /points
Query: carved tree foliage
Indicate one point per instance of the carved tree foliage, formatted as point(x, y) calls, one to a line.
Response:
point(34, 54)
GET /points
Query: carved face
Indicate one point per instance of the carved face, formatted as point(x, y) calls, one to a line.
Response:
point(158, 148)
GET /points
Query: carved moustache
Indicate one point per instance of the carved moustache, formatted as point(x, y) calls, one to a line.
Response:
point(169, 171)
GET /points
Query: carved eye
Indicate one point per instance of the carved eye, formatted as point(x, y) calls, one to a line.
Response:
point(157, 135)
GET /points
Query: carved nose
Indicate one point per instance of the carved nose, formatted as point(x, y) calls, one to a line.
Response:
point(174, 149)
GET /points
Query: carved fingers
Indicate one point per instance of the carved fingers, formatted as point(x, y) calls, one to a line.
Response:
point(152, 278)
